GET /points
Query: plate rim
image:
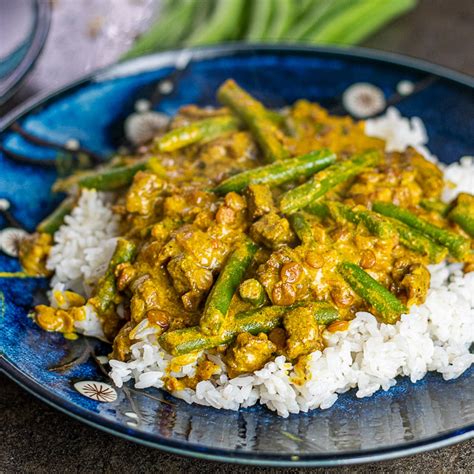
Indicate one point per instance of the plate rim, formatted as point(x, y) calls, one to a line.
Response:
point(190, 449)
point(208, 52)
point(227, 455)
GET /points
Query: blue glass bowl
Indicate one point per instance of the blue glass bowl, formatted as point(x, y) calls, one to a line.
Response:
point(21, 53)
point(406, 419)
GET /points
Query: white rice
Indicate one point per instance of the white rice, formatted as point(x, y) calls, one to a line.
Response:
point(84, 244)
point(400, 132)
point(461, 176)
point(435, 336)
point(83, 247)
point(91, 325)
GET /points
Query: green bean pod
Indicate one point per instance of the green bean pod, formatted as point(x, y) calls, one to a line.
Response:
point(382, 227)
point(276, 117)
point(55, 220)
point(223, 24)
point(457, 245)
point(113, 178)
point(215, 313)
point(199, 131)
point(284, 12)
point(311, 17)
point(106, 289)
point(172, 25)
point(183, 341)
point(388, 307)
point(258, 19)
point(356, 20)
point(435, 205)
point(278, 173)
point(463, 213)
point(419, 243)
point(252, 291)
point(255, 116)
point(324, 181)
point(318, 208)
point(105, 179)
point(375, 223)
point(302, 228)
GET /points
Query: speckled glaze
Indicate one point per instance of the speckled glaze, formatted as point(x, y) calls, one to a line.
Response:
point(406, 419)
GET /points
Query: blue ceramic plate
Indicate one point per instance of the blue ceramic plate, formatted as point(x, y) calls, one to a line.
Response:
point(406, 419)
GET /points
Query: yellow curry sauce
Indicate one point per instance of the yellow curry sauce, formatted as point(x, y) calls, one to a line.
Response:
point(184, 234)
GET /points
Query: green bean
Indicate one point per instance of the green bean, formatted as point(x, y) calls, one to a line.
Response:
point(202, 14)
point(384, 227)
point(199, 131)
point(201, 22)
point(303, 6)
point(223, 24)
point(276, 117)
point(357, 20)
point(315, 12)
point(113, 178)
point(324, 181)
point(260, 12)
point(174, 22)
point(254, 114)
point(464, 221)
point(435, 205)
point(278, 173)
point(183, 341)
point(54, 221)
point(457, 245)
point(379, 226)
point(418, 242)
point(324, 313)
point(375, 223)
point(106, 179)
point(106, 289)
point(318, 208)
point(302, 228)
point(215, 315)
point(252, 291)
point(282, 16)
point(463, 213)
point(387, 306)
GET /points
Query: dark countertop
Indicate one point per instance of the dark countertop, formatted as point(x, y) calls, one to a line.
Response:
point(37, 438)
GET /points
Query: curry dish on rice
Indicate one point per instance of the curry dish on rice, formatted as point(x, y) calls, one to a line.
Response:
point(248, 232)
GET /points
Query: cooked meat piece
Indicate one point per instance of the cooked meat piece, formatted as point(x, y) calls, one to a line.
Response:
point(272, 231)
point(248, 353)
point(188, 275)
point(260, 200)
point(415, 284)
point(143, 192)
point(303, 333)
point(284, 277)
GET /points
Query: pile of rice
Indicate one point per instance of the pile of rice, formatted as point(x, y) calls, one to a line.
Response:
point(435, 336)
point(84, 245)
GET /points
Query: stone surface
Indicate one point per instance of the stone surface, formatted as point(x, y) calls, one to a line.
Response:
point(37, 438)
